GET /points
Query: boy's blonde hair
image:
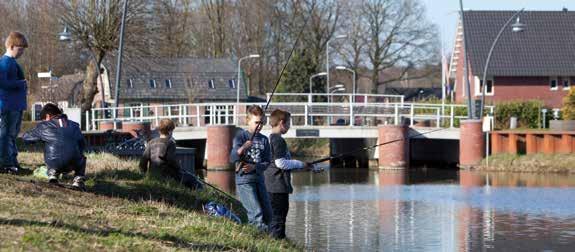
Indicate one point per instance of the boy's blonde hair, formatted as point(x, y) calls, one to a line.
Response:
point(16, 39)
point(279, 115)
point(254, 110)
point(166, 126)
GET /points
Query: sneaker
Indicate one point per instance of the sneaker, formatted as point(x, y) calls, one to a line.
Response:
point(11, 169)
point(52, 176)
point(79, 183)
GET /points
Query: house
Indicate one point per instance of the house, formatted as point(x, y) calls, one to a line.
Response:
point(534, 59)
point(164, 81)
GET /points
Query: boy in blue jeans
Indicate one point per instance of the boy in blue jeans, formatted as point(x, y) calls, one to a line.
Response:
point(13, 87)
point(251, 158)
point(278, 175)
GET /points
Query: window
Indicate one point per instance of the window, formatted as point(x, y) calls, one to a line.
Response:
point(153, 84)
point(479, 88)
point(211, 84)
point(553, 83)
point(168, 83)
point(232, 84)
point(130, 83)
point(566, 83)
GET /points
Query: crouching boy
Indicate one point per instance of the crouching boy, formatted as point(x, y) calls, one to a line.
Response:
point(278, 174)
point(64, 144)
point(159, 158)
point(251, 158)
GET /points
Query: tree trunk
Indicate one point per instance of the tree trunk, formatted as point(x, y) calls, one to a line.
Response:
point(89, 88)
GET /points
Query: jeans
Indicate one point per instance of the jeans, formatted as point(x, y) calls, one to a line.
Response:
point(78, 165)
point(10, 121)
point(254, 198)
point(280, 207)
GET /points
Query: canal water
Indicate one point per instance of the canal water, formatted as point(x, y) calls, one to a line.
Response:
point(429, 210)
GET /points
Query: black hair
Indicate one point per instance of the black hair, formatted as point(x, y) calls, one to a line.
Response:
point(50, 109)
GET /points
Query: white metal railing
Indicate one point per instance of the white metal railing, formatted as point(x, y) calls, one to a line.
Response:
point(318, 97)
point(303, 114)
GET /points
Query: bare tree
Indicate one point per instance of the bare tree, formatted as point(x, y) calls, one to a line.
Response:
point(398, 36)
point(95, 26)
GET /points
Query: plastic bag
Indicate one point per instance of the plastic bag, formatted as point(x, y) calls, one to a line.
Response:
point(214, 209)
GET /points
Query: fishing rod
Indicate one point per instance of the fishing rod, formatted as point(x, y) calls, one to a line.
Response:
point(371, 147)
point(261, 123)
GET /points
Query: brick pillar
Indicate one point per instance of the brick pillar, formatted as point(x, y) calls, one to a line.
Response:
point(512, 144)
point(131, 127)
point(109, 125)
point(496, 139)
point(391, 178)
point(531, 142)
point(565, 146)
point(219, 145)
point(393, 155)
point(548, 144)
point(471, 143)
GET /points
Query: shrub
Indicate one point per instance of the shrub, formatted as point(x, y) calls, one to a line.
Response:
point(568, 110)
point(527, 113)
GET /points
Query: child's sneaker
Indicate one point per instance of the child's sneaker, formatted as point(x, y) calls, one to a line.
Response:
point(79, 183)
point(52, 176)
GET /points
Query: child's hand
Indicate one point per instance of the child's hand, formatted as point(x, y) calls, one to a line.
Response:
point(244, 147)
point(316, 169)
point(247, 168)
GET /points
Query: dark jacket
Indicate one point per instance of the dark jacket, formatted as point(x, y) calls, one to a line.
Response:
point(13, 86)
point(278, 180)
point(63, 139)
point(159, 158)
point(259, 155)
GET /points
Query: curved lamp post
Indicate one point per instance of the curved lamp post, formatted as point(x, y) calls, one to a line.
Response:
point(353, 80)
point(311, 80)
point(517, 27)
point(251, 56)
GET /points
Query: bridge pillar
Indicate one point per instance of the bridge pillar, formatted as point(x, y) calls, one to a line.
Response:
point(471, 144)
point(131, 127)
point(109, 125)
point(219, 144)
point(393, 155)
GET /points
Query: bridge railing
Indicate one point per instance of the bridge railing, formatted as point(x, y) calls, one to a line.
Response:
point(336, 97)
point(303, 114)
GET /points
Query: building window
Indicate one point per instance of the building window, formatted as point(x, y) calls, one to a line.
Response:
point(168, 83)
point(130, 83)
point(232, 84)
point(553, 83)
point(566, 83)
point(478, 88)
point(211, 84)
point(153, 84)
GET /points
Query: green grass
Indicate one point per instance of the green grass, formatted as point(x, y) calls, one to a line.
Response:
point(122, 211)
point(542, 163)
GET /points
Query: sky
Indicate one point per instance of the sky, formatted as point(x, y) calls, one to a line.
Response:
point(444, 12)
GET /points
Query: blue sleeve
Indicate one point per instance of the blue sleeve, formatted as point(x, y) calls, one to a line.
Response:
point(4, 82)
point(236, 144)
point(81, 140)
point(33, 135)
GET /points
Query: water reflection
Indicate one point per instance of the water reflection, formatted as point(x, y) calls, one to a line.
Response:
point(427, 210)
point(431, 210)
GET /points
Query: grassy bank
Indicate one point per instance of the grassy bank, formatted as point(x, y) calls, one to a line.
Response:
point(122, 211)
point(555, 163)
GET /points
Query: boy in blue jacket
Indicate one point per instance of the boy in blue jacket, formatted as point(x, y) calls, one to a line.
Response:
point(13, 87)
point(249, 169)
point(64, 145)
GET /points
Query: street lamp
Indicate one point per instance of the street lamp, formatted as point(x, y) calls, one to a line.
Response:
point(353, 80)
point(251, 56)
point(119, 63)
point(470, 109)
point(516, 27)
point(327, 57)
point(311, 80)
